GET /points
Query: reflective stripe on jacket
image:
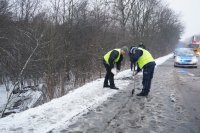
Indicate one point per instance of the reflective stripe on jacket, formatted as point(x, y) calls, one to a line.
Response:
point(145, 58)
point(107, 56)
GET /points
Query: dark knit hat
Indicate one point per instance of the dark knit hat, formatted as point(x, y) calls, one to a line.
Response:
point(125, 49)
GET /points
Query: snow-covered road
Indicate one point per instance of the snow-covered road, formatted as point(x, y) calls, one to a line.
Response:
point(166, 110)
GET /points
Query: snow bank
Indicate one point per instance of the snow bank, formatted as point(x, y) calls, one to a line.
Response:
point(3, 95)
point(161, 60)
point(62, 110)
point(59, 110)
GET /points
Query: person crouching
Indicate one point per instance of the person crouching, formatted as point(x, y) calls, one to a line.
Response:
point(113, 57)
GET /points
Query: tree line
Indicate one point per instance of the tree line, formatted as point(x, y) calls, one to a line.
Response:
point(61, 42)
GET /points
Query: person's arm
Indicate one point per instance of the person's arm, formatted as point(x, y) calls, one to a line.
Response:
point(131, 66)
point(135, 57)
point(138, 69)
point(118, 64)
point(113, 56)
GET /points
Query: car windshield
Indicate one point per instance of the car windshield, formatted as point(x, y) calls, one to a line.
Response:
point(193, 45)
point(185, 52)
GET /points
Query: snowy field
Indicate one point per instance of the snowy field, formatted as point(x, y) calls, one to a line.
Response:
point(56, 112)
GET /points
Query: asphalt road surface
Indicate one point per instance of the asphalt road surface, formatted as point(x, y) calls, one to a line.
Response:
point(173, 106)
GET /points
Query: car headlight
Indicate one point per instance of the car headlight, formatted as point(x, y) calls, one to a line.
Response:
point(177, 59)
point(194, 59)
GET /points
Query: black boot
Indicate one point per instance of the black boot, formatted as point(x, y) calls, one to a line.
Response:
point(106, 86)
point(142, 94)
point(114, 87)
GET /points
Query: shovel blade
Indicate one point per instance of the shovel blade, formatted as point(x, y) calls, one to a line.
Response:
point(132, 92)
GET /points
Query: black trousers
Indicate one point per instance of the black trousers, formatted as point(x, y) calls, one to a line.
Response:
point(148, 72)
point(109, 75)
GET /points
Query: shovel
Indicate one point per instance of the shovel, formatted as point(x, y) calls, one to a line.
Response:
point(133, 91)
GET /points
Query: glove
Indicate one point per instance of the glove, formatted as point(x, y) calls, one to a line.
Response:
point(135, 73)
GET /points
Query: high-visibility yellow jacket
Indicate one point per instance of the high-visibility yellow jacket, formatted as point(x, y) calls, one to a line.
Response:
point(145, 58)
point(107, 56)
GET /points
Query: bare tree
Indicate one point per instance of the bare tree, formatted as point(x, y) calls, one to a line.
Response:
point(124, 7)
point(26, 9)
point(19, 83)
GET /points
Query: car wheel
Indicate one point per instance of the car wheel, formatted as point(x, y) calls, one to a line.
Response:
point(175, 65)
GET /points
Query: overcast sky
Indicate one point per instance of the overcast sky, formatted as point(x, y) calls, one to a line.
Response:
point(190, 15)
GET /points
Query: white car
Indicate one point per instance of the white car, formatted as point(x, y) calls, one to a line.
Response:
point(185, 57)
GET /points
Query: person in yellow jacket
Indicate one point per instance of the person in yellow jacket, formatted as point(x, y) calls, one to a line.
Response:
point(113, 57)
point(142, 58)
